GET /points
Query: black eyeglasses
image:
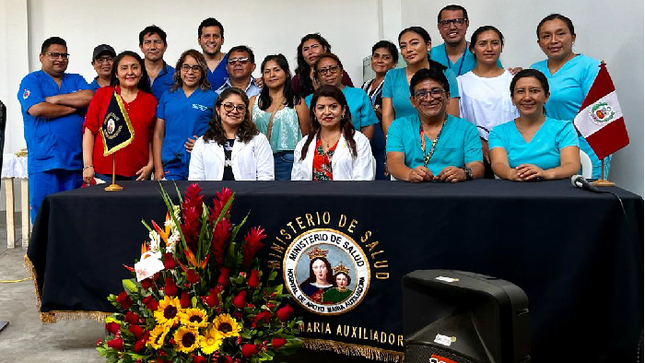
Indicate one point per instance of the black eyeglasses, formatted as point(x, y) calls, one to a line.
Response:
point(330, 70)
point(458, 22)
point(104, 59)
point(229, 107)
point(423, 93)
point(55, 55)
point(188, 67)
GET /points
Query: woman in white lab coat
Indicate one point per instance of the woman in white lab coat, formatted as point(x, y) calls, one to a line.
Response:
point(334, 150)
point(232, 148)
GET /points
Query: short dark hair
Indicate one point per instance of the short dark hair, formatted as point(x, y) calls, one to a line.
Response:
point(152, 29)
point(394, 52)
point(453, 7)
point(419, 30)
point(530, 73)
point(210, 22)
point(53, 40)
point(556, 17)
point(144, 82)
point(481, 29)
point(330, 56)
point(434, 74)
point(243, 48)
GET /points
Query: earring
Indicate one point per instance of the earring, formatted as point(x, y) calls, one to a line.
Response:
point(343, 116)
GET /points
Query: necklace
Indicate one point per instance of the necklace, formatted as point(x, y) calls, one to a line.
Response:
point(426, 157)
point(334, 140)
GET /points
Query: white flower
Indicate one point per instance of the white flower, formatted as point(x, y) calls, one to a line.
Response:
point(172, 241)
point(155, 241)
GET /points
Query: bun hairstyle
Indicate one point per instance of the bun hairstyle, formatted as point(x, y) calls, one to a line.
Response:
point(556, 17)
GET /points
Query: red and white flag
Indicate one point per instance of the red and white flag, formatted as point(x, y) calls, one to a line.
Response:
point(600, 119)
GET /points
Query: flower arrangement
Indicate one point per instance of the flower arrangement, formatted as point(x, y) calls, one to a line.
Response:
point(207, 300)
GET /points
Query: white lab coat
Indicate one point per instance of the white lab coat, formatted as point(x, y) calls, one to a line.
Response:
point(344, 167)
point(250, 161)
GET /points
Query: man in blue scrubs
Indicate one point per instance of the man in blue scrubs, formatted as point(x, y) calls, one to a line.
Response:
point(153, 45)
point(210, 36)
point(432, 145)
point(102, 60)
point(240, 65)
point(53, 106)
point(453, 23)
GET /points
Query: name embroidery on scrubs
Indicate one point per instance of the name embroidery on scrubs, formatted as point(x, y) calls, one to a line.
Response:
point(199, 107)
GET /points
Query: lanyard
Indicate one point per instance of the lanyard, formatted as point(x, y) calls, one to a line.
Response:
point(461, 64)
point(426, 157)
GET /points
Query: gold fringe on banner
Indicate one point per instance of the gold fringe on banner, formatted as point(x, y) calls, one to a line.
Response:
point(356, 350)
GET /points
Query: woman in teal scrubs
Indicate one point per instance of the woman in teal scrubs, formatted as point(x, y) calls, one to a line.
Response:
point(533, 146)
point(570, 75)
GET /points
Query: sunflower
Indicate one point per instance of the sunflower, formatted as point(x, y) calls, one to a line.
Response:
point(168, 311)
point(211, 340)
point(227, 326)
point(157, 336)
point(194, 318)
point(186, 339)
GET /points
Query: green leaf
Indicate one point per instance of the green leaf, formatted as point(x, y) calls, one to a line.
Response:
point(273, 275)
point(193, 301)
point(129, 285)
point(237, 228)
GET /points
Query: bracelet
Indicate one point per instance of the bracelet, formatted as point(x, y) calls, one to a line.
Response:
point(87, 167)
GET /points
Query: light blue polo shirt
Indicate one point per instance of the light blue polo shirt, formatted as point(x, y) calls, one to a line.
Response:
point(458, 143)
point(53, 143)
point(218, 76)
point(163, 82)
point(466, 63)
point(183, 117)
point(544, 148)
point(360, 107)
point(397, 88)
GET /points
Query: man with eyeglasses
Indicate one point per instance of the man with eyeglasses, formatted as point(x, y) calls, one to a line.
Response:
point(53, 106)
point(102, 60)
point(432, 145)
point(239, 65)
point(210, 36)
point(153, 45)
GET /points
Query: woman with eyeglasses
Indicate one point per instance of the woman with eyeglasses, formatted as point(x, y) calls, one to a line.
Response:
point(414, 43)
point(279, 113)
point(182, 116)
point(534, 146)
point(484, 91)
point(385, 56)
point(328, 70)
point(333, 150)
point(570, 76)
point(310, 48)
point(232, 148)
point(130, 87)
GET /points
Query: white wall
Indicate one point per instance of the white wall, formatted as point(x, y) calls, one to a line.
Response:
point(613, 33)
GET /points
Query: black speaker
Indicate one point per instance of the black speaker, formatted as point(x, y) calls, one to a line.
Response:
point(462, 317)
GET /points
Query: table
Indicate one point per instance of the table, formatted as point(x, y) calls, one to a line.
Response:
point(575, 254)
point(16, 167)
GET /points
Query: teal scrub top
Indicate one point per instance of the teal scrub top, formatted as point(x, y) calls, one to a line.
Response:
point(397, 88)
point(458, 143)
point(360, 107)
point(466, 63)
point(544, 148)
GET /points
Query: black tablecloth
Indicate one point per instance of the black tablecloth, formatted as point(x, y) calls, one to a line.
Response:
point(576, 254)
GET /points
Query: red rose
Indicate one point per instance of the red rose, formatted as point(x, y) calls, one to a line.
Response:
point(113, 328)
point(212, 299)
point(278, 342)
point(150, 302)
point(249, 350)
point(240, 300)
point(284, 313)
point(146, 283)
point(140, 345)
point(225, 359)
point(263, 317)
point(192, 276)
point(254, 279)
point(185, 299)
point(224, 273)
point(198, 359)
point(116, 344)
point(171, 287)
point(124, 300)
point(169, 261)
point(137, 330)
point(131, 317)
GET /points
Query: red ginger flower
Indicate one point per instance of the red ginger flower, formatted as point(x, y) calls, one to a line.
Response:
point(276, 343)
point(249, 350)
point(221, 234)
point(253, 243)
point(254, 279)
point(284, 313)
point(220, 201)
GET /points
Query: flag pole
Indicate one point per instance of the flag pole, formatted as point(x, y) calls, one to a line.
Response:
point(114, 187)
point(602, 182)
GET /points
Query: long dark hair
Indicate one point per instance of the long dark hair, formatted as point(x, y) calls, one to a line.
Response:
point(312, 276)
point(144, 84)
point(426, 39)
point(247, 129)
point(304, 82)
point(290, 96)
point(203, 83)
point(346, 126)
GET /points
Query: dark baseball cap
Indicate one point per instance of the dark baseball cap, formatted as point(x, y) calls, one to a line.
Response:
point(103, 48)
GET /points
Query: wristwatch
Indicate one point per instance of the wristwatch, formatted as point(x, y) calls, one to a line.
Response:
point(469, 173)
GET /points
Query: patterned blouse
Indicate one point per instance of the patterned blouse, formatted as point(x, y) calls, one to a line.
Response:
point(322, 162)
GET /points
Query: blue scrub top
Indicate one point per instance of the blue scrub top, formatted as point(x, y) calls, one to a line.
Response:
point(53, 143)
point(163, 82)
point(466, 63)
point(183, 117)
point(397, 88)
point(458, 143)
point(360, 107)
point(544, 148)
point(219, 75)
point(94, 85)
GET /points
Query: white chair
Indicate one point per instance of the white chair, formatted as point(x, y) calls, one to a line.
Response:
point(587, 167)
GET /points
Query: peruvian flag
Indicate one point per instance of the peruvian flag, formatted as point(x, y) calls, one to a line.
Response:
point(600, 119)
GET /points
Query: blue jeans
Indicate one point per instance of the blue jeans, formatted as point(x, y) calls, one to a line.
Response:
point(41, 184)
point(283, 163)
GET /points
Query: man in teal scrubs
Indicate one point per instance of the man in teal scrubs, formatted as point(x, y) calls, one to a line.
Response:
point(432, 145)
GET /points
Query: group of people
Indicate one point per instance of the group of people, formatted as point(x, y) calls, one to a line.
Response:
point(453, 113)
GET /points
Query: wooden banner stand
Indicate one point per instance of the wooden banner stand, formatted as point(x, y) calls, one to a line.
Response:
point(114, 187)
point(602, 182)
